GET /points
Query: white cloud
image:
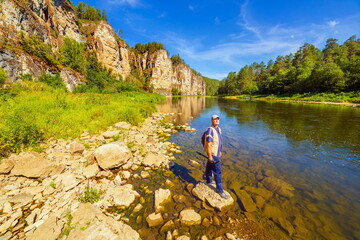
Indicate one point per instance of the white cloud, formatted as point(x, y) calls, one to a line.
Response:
point(132, 3)
point(332, 23)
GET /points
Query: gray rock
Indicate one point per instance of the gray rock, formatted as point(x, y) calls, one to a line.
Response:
point(6, 165)
point(76, 148)
point(154, 219)
point(190, 217)
point(161, 197)
point(122, 196)
point(112, 155)
point(278, 186)
point(93, 224)
point(154, 160)
point(110, 134)
point(31, 165)
point(50, 229)
point(90, 171)
point(209, 194)
point(246, 201)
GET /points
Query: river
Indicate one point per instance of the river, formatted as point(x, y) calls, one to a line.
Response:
point(311, 149)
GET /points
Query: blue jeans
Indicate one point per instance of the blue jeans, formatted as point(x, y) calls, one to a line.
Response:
point(214, 167)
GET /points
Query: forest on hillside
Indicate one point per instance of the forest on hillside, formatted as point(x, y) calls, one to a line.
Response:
point(334, 69)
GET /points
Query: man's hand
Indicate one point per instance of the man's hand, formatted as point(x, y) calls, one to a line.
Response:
point(210, 159)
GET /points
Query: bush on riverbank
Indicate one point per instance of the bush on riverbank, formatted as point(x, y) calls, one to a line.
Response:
point(32, 112)
point(349, 97)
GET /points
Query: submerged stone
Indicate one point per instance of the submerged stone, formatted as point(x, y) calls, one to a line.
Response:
point(278, 186)
point(246, 201)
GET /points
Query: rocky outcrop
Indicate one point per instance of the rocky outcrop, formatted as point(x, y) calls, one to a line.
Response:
point(55, 20)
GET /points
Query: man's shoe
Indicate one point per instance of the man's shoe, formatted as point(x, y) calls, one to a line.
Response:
point(224, 195)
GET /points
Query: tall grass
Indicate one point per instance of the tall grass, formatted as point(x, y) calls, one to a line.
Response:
point(33, 112)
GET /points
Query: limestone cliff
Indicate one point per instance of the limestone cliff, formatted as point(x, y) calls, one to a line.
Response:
point(53, 20)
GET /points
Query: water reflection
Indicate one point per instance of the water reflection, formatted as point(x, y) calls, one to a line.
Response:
point(186, 108)
point(313, 148)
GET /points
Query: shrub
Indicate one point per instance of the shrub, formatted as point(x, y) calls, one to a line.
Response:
point(175, 91)
point(72, 55)
point(90, 195)
point(34, 45)
point(3, 76)
point(54, 81)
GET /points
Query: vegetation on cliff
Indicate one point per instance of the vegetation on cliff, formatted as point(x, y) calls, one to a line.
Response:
point(86, 12)
point(334, 69)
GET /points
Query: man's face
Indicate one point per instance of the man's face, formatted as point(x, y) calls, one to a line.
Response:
point(215, 122)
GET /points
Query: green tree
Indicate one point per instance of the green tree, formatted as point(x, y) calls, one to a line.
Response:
point(72, 55)
point(176, 59)
point(328, 77)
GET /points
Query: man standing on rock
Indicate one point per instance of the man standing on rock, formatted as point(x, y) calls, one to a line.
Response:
point(212, 147)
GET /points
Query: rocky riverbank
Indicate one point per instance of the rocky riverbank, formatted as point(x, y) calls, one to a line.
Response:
point(115, 185)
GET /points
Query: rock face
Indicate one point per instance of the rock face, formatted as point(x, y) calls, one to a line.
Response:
point(112, 155)
point(55, 20)
point(209, 194)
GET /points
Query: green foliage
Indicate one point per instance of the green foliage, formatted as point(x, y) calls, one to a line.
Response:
point(18, 130)
point(176, 60)
point(26, 77)
point(53, 185)
point(34, 45)
point(86, 12)
point(334, 69)
point(148, 47)
point(31, 112)
point(73, 55)
point(90, 195)
point(3, 76)
point(176, 92)
point(212, 86)
point(54, 81)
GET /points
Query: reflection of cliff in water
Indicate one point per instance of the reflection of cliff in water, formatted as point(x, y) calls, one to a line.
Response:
point(318, 123)
point(185, 108)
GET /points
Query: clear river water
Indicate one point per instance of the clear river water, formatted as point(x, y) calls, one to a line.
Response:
point(311, 150)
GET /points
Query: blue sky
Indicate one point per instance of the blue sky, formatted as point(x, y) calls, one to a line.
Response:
point(217, 37)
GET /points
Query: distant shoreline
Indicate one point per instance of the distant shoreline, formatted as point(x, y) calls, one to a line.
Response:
point(279, 99)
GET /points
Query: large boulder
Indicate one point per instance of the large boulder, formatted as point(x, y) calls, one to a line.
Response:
point(190, 217)
point(278, 186)
point(112, 155)
point(93, 224)
point(209, 194)
point(161, 197)
point(154, 160)
point(31, 165)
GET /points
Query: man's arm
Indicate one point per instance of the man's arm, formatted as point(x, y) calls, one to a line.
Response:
point(208, 151)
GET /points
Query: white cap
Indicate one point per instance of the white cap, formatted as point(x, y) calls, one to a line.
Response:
point(215, 117)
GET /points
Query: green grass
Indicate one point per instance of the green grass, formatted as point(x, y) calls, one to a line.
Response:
point(32, 112)
point(349, 97)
